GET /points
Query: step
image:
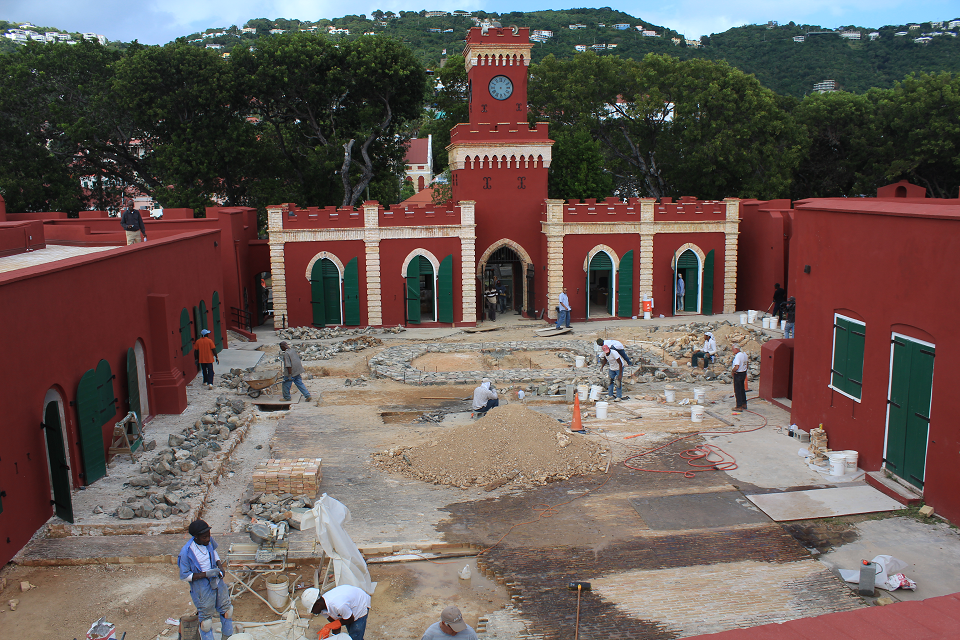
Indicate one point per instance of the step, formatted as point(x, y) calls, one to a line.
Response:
point(899, 492)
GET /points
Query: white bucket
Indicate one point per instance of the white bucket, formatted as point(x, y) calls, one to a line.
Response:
point(699, 395)
point(743, 318)
point(850, 460)
point(783, 325)
point(595, 392)
point(602, 410)
point(766, 323)
point(751, 316)
point(582, 392)
point(580, 360)
point(696, 413)
point(278, 588)
point(646, 315)
point(838, 463)
point(671, 394)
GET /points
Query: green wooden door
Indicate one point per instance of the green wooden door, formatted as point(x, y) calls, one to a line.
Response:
point(413, 291)
point(325, 292)
point(601, 263)
point(706, 307)
point(689, 267)
point(57, 456)
point(203, 315)
point(351, 294)
point(89, 426)
point(445, 290)
point(316, 295)
point(133, 384)
point(625, 286)
point(908, 417)
point(186, 344)
point(217, 330)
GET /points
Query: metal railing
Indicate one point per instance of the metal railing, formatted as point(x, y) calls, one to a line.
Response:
point(241, 318)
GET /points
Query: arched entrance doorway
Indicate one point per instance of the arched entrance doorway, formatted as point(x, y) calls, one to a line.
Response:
point(688, 269)
point(325, 293)
point(421, 290)
point(505, 266)
point(600, 286)
point(59, 464)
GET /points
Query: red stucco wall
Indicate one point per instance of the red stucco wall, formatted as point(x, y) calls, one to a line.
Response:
point(297, 255)
point(761, 253)
point(392, 276)
point(62, 319)
point(896, 273)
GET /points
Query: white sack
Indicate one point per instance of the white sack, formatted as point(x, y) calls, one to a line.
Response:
point(328, 517)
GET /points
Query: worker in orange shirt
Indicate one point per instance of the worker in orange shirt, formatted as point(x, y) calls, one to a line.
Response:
point(206, 354)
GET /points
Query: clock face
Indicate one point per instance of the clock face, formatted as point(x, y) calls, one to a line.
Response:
point(501, 87)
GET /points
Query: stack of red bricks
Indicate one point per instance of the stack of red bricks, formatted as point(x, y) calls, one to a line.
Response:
point(299, 476)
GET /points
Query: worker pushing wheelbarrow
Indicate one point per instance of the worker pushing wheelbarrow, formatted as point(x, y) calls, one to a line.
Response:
point(257, 382)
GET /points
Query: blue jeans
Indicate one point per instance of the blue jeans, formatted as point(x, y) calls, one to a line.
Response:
point(294, 380)
point(613, 383)
point(788, 330)
point(207, 369)
point(491, 403)
point(563, 318)
point(210, 602)
point(357, 628)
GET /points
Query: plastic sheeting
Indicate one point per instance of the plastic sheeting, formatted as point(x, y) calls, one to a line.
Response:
point(329, 516)
point(889, 574)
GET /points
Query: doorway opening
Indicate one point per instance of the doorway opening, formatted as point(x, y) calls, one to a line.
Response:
point(504, 271)
point(421, 291)
point(688, 270)
point(601, 281)
point(325, 293)
point(54, 428)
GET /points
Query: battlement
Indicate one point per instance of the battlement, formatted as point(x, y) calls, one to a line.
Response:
point(324, 218)
point(499, 132)
point(687, 209)
point(498, 36)
point(373, 214)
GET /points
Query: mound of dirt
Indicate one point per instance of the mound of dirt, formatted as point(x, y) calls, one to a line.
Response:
point(511, 443)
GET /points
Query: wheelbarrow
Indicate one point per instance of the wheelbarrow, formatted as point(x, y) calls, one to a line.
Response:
point(255, 386)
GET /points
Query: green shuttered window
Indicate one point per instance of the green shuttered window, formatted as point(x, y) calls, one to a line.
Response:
point(848, 342)
point(625, 286)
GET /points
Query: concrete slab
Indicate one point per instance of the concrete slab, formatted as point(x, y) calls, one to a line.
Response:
point(931, 549)
point(697, 511)
point(823, 503)
point(238, 359)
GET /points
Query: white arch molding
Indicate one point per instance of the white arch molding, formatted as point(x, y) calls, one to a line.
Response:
point(339, 264)
point(503, 242)
point(436, 273)
point(701, 259)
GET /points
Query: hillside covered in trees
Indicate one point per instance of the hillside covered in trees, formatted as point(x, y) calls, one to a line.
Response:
point(770, 52)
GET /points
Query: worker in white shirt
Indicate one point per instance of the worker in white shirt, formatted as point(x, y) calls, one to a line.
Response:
point(708, 353)
point(485, 398)
point(617, 346)
point(739, 368)
point(615, 360)
point(345, 605)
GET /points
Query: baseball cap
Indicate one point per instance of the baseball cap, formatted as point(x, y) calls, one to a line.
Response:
point(606, 349)
point(204, 332)
point(452, 617)
point(309, 597)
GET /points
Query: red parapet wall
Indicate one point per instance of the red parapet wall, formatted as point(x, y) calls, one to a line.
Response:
point(325, 218)
point(512, 132)
point(590, 210)
point(398, 215)
point(689, 210)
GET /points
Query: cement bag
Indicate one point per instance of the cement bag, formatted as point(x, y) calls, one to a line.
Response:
point(102, 630)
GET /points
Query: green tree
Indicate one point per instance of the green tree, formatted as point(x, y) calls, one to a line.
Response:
point(577, 167)
point(449, 108)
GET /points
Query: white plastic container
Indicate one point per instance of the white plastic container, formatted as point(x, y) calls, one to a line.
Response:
point(595, 392)
point(751, 316)
point(602, 410)
point(838, 463)
point(743, 318)
point(850, 459)
point(580, 360)
point(671, 394)
point(696, 413)
point(582, 390)
point(278, 588)
point(783, 325)
point(699, 395)
point(766, 323)
point(646, 315)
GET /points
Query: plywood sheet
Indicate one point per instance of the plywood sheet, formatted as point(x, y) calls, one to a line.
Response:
point(823, 503)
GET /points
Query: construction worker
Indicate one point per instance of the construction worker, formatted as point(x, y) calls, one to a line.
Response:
point(347, 605)
point(485, 398)
point(617, 364)
point(200, 565)
point(451, 624)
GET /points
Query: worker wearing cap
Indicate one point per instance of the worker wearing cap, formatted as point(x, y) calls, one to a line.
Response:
point(708, 353)
point(451, 624)
point(206, 355)
point(617, 346)
point(345, 604)
point(200, 565)
point(615, 360)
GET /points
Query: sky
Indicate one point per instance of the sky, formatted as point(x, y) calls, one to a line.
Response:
point(161, 21)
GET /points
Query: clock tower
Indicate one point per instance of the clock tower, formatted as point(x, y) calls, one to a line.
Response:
point(497, 159)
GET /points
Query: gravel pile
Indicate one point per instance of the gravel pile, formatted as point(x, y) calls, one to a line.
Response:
point(326, 351)
point(511, 443)
point(314, 333)
point(273, 507)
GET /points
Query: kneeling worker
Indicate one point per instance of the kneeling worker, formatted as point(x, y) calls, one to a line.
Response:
point(485, 397)
point(451, 625)
point(345, 605)
point(202, 568)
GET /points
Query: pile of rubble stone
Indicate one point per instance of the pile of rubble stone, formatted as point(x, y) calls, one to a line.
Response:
point(274, 508)
point(179, 472)
point(326, 351)
point(315, 333)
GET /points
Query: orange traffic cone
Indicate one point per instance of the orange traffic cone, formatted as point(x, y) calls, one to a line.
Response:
point(746, 385)
point(575, 424)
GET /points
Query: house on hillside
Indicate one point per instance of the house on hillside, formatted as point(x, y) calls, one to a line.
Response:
point(419, 162)
point(850, 35)
point(621, 26)
point(799, 38)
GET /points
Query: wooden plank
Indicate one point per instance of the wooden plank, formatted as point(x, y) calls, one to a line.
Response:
point(479, 329)
point(552, 332)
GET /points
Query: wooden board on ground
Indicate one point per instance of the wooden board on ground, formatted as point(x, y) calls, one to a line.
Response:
point(546, 333)
point(479, 329)
point(274, 402)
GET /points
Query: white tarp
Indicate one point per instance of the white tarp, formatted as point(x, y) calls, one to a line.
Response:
point(329, 516)
point(889, 574)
